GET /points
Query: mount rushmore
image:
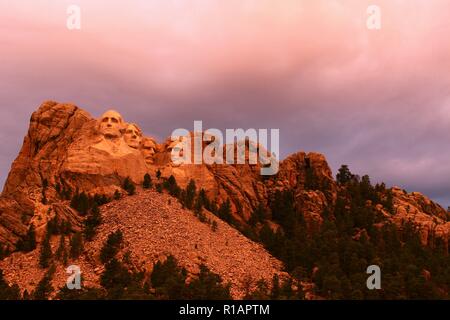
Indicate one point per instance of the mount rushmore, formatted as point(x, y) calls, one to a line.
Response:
point(66, 150)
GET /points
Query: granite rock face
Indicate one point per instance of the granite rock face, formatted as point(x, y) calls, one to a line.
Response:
point(63, 150)
point(430, 219)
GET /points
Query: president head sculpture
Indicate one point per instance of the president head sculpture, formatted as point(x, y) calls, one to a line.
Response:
point(133, 136)
point(148, 150)
point(111, 124)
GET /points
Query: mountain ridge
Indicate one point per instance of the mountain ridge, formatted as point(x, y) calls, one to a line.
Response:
point(65, 154)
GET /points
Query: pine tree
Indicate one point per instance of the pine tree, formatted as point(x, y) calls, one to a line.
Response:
point(76, 245)
point(283, 210)
point(44, 287)
point(276, 290)
point(208, 286)
point(158, 174)
point(53, 225)
point(115, 279)
point(204, 199)
point(198, 209)
point(286, 291)
point(172, 186)
point(26, 295)
point(8, 292)
point(190, 194)
point(214, 208)
point(46, 251)
point(92, 223)
point(61, 252)
point(86, 293)
point(310, 179)
point(169, 279)
point(344, 175)
point(129, 186)
point(258, 215)
point(80, 202)
point(261, 292)
point(100, 200)
point(224, 212)
point(111, 246)
point(117, 195)
point(83, 203)
point(147, 181)
point(268, 237)
point(389, 204)
point(28, 243)
point(65, 227)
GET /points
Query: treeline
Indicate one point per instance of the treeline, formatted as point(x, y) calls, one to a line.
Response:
point(353, 236)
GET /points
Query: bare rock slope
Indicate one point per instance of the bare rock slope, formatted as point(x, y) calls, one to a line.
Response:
point(154, 226)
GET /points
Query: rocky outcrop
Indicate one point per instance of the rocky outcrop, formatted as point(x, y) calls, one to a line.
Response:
point(53, 127)
point(62, 147)
point(242, 184)
point(310, 179)
point(307, 175)
point(430, 219)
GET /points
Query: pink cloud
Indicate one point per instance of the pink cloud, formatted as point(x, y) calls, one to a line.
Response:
point(311, 68)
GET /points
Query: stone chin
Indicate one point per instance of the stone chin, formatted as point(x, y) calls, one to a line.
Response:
point(109, 133)
point(133, 144)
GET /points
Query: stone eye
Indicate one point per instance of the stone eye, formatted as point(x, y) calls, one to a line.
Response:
point(105, 120)
point(114, 120)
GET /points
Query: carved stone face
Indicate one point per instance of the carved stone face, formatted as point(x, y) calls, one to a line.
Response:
point(148, 150)
point(176, 146)
point(133, 136)
point(111, 124)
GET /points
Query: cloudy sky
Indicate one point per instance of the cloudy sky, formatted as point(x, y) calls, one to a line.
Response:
point(377, 100)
